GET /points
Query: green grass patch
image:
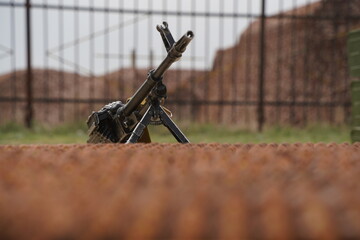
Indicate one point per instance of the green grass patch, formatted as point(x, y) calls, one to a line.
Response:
point(197, 133)
point(68, 133)
point(207, 133)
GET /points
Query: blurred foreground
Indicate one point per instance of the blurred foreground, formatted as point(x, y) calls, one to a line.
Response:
point(173, 191)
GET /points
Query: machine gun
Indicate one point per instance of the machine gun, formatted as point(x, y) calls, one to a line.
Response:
point(127, 123)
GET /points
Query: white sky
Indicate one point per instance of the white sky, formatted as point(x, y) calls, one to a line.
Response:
point(121, 40)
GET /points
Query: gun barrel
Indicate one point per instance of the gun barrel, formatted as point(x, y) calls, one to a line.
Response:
point(154, 76)
point(174, 54)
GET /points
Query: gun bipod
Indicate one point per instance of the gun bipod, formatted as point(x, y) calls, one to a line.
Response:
point(156, 112)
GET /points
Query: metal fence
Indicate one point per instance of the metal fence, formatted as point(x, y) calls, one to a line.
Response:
point(252, 63)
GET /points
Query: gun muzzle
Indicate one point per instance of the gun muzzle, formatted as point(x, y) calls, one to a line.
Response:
point(184, 41)
point(174, 54)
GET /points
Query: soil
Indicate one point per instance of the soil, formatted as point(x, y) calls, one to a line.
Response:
point(191, 191)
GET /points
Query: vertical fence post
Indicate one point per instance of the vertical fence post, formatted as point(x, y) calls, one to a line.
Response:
point(260, 107)
point(134, 68)
point(151, 58)
point(29, 76)
point(133, 58)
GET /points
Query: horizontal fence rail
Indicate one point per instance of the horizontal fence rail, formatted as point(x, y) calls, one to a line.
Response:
point(169, 13)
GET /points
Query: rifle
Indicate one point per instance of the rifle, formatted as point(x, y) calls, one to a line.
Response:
point(127, 123)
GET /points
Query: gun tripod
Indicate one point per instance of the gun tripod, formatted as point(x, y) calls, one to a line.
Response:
point(156, 113)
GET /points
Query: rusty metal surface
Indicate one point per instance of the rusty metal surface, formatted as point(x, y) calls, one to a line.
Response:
point(194, 191)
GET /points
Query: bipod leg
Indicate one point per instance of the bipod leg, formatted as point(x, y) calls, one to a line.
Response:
point(139, 129)
point(175, 131)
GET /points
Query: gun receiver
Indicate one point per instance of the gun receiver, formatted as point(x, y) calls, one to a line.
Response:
point(117, 122)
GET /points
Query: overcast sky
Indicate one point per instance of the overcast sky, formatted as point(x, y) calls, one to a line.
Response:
point(112, 48)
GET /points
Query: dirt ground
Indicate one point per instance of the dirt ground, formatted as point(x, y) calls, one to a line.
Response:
point(193, 191)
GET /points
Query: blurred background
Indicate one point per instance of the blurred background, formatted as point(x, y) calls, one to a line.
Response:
point(254, 64)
